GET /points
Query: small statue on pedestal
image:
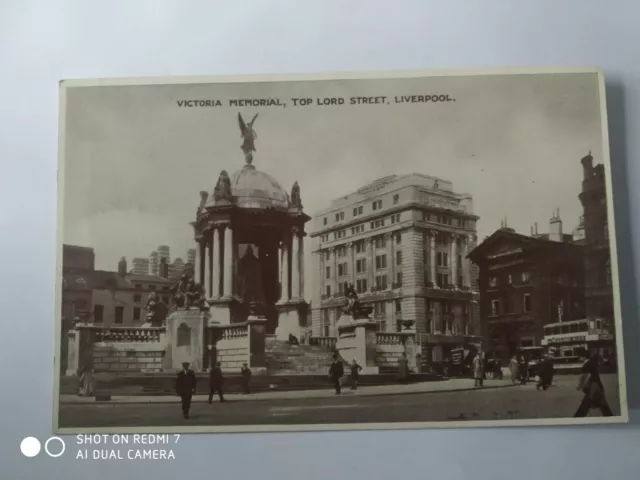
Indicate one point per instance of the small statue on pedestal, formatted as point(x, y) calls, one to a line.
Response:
point(296, 201)
point(155, 310)
point(354, 307)
point(222, 190)
point(196, 296)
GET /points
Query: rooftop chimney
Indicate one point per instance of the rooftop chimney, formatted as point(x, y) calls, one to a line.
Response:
point(122, 267)
point(587, 166)
point(555, 227)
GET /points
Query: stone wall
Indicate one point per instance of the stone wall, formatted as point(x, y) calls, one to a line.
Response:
point(389, 349)
point(233, 347)
point(128, 357)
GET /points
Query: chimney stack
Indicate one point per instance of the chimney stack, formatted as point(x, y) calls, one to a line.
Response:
point(555, 227)
point(163, 268)
point(122, 267)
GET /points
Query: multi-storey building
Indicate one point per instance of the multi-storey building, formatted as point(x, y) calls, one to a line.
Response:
point(527, 282)
point(164, 252)
point(191, 256)
point(402, 241)
point(597, 258)
point(154, 263)
point(140, 266)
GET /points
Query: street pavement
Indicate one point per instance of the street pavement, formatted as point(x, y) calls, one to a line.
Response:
point(364, 406)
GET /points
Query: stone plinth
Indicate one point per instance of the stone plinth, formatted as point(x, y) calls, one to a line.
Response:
point(257, 343)
point(289, 320)
point(357, 340)
point(185, 339)
point(220, 312)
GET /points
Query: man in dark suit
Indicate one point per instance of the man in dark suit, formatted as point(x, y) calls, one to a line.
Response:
point(186, 387)
point(336, 371)
point(216, 380)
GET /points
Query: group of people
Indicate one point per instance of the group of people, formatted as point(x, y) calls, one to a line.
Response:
point(186, 384)
point(336, 372)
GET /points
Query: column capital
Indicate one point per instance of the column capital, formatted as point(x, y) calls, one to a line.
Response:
point(297, 232)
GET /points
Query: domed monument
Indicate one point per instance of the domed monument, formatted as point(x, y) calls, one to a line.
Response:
point(249, 248)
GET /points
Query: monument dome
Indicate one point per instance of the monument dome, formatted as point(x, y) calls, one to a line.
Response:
point(251, 188)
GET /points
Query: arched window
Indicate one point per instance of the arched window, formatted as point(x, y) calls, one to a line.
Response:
point(183, 336)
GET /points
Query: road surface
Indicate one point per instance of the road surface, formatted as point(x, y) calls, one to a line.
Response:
point(517, 403)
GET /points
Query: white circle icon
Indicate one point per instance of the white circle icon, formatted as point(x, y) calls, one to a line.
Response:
point(30, 447)
point(54, 455)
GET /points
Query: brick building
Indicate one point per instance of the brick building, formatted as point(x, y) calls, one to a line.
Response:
point(402, 241)
point(525, 283)
point(597, 258)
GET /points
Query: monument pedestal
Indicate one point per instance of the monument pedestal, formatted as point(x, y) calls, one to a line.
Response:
point(357, 340)
point(289, 320)
point(186, 339)
point(220, 311)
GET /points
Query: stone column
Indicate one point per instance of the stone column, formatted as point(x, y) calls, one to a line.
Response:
point(334, 268)
point(284, 296)
point(227, 288)
point(323, 273)
point(466, 264)
point(390, 260)
point(371, 265)
point(216, 262)
point(206, 263)
point(352, 263)
point(432, 258)
point(197, 266)
point(295, 266)
point(301, 256)
point(454, 261)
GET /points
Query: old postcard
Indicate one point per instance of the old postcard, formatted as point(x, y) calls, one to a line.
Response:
point(326, 252)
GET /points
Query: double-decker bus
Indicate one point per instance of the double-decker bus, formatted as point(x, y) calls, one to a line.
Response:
point(564, 338)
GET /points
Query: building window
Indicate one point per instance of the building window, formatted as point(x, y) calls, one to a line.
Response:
point(442, 259)
point(341, 251)
point(137, 298)
point(339, 216)
point(357, 211)
point(138, 286)
point(495, 307)
point(328, 272)
point(136, 313)
point(360, 247)
point(342, 269)
point(526, 277)
point(398, 258)
point(377, 223)
point(398, 238)
point(325, 220)
point(526, 302)
point(119, 314)
point(380, 309)
point(361, 285)
point(396, 199)
point(361, 265)
point(328, 290)
point(380, 241)
point(325, 238)
point(399, 279)
point(493, 282)
point(152, 287)
point(98, 313)
point(381, 262)
point(357, 229)
point(395, 218)
point(381, 282)
point(377, 205)
point(442, 279)
point(398, 305)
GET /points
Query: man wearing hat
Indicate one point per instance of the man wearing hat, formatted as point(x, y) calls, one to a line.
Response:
point(216, 379)
point(246, 377)
point(186, 387)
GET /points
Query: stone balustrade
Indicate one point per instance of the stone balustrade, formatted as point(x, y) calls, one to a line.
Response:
point(326, 342)
point(129, 334)
point(234, 332)
point(389, 338)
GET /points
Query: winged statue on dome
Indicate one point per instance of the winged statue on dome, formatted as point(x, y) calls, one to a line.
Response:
point(248, 135)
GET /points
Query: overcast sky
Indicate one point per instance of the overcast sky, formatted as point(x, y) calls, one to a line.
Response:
point(135, 161)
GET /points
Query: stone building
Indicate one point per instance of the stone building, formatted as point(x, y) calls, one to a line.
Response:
point(402, 241)
point(597, 257)
point(525, 283)
point(141, 266)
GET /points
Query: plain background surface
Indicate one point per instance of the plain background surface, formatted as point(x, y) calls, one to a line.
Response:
point(43, 42)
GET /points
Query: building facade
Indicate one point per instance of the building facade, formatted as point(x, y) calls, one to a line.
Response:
point(141, 266)
point(525, 283)
point(402, 241)
point(597, 258)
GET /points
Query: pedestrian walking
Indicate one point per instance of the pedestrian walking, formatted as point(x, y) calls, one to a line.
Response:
point(355, 374)
point(216, 382)
point(545, 372)
point(514, 369)
point(336, 371)
point(86, 382)
point(524, 369)
point(403, 368)
point(246, 377)
point(591, 385)
point(186, 387)
point(478, 370)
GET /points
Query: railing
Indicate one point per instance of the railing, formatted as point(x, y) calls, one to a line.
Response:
point(128, 334)
point(327, 342)
point(232, 332)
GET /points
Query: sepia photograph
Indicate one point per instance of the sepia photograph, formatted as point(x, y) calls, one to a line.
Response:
point(336, 252)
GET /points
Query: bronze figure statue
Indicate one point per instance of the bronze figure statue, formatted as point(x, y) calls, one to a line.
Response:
point(248, 134)
point(295, 195)
point(354, 307)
